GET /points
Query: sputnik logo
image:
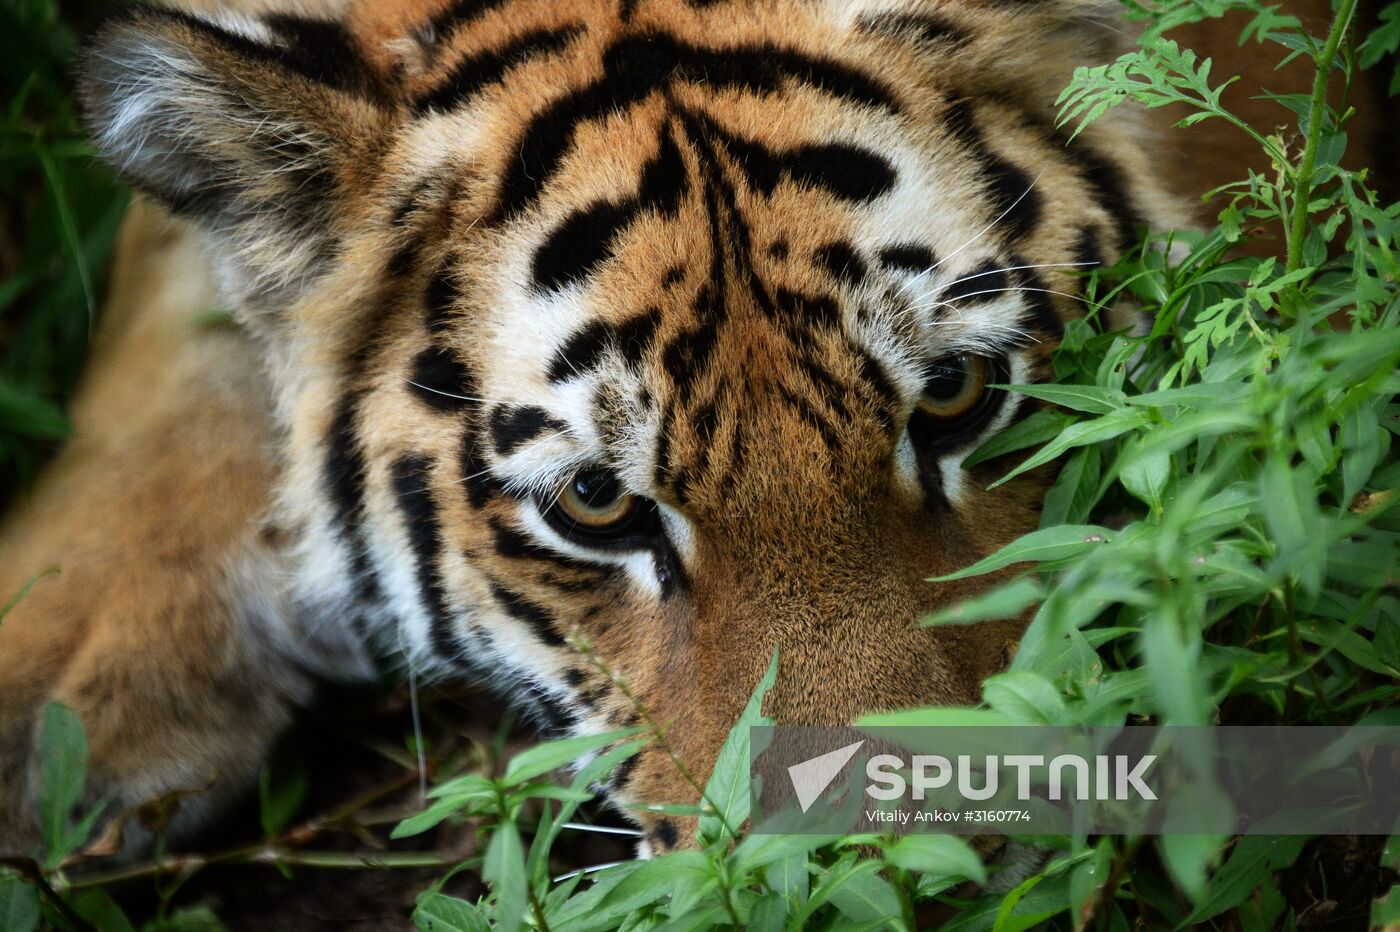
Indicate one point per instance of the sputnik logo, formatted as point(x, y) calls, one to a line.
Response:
point(811, 777)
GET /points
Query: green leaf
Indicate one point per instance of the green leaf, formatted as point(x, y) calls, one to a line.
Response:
point(1145, 473)
point(1028, 432)
point(1046, 544)
point(1187, 858)
point(1074, 493)
point(24, 591)
point(1088, 398)
point(939, 716)
point(580, 910)
point(1171, 665)
point(30, 416)
point(504, 870)
point(552, 755)
point(19, 905)
point(867, 897)
point(440, 811)
point(1254, 858)
point(650, 883)
point(1330, 635)
point(1006, 601)
point(757, 851)
point(280, 796)
point(438, 913)
point(789, 878)
point(1024, 697)
point(769, 914)
point(940, 855)
point(1078, 435)
point(832, 880)
point(98, 908)
point(1291, 511)
point(63, 757)
point(727, 792)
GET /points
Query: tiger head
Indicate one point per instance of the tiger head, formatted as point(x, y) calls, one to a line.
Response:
point(618, 344)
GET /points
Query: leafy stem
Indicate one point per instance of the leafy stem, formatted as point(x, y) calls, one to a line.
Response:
point(1302, 195)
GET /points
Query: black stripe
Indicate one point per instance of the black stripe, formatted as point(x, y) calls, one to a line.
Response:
point(345, 482)
point(887, 397)
point(586, 237)
point(1088, 251)
point(622, 774)
point(323, 50)
point(512, 544)
point(829, 388)
point(319, 50)
point(1017, 203)
point(536, 616)
point(441, 381)
point(553, 717)
point(925, 27)
point(662, 471)
point(912, 257)
point(636, 66)
point(980, 285)
point(1106, 178)
point(840, 259)
point(582, 351)
point(513, 425)
point(462, 12)
point(635, 337)
point(848, 172)
point(579, 244)
point(1097, 169)
point(686, 356)
point(411, 477)
point(810, 310)
point(814, 419)
point(480, 484)
point(441, 298)
point(1043, 311)
point(485, 68)
point(665, 834)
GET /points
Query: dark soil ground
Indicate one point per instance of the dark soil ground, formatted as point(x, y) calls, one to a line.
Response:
point(361, 779)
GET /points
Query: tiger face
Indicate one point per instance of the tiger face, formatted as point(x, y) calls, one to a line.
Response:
point(618, 344)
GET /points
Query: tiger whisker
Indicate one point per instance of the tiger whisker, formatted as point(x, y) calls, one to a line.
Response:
point(438, 391)
point(588, 870)
point(603, 829)
point(983, 232)
point(1063, 294)
point(1009, 268)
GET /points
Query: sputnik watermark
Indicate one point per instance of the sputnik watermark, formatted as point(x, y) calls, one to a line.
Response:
point(1120, 780)
point(1117, 777)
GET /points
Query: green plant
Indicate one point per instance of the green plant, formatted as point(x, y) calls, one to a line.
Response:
point(58, 218)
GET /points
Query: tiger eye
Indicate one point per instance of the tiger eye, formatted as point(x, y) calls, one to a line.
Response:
point(595, 498)
point(955, 386)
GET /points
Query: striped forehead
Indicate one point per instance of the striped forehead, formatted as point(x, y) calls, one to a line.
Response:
point(581, 362)
point(614, 200)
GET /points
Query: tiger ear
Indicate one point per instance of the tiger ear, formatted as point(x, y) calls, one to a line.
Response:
point(253, 128)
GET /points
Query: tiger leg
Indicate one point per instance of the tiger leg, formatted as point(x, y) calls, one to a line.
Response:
point(164, 626)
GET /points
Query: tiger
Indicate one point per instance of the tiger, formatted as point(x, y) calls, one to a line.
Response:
point(596, 351)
